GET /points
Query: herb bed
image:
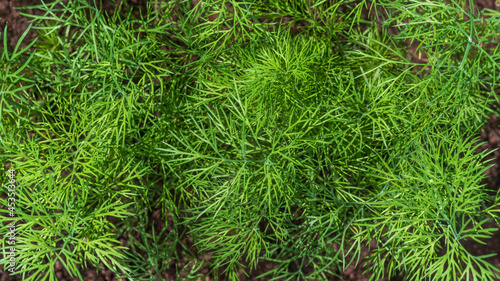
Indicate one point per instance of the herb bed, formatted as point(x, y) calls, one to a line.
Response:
point(270, 116)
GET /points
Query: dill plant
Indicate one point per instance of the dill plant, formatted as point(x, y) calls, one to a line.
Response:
point(261, 143)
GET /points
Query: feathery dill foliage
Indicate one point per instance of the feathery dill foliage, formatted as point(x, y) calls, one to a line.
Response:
point(262, 141)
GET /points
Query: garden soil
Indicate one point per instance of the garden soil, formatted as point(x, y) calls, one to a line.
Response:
point(17, 24)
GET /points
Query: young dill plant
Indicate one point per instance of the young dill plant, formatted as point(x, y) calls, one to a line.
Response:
point(292, 154)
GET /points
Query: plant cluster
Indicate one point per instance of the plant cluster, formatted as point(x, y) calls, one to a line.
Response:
point(296, 142)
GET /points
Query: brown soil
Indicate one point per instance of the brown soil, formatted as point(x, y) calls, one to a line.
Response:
point(17, 24)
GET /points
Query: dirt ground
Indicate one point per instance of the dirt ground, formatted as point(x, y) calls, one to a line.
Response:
point(17, 24)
